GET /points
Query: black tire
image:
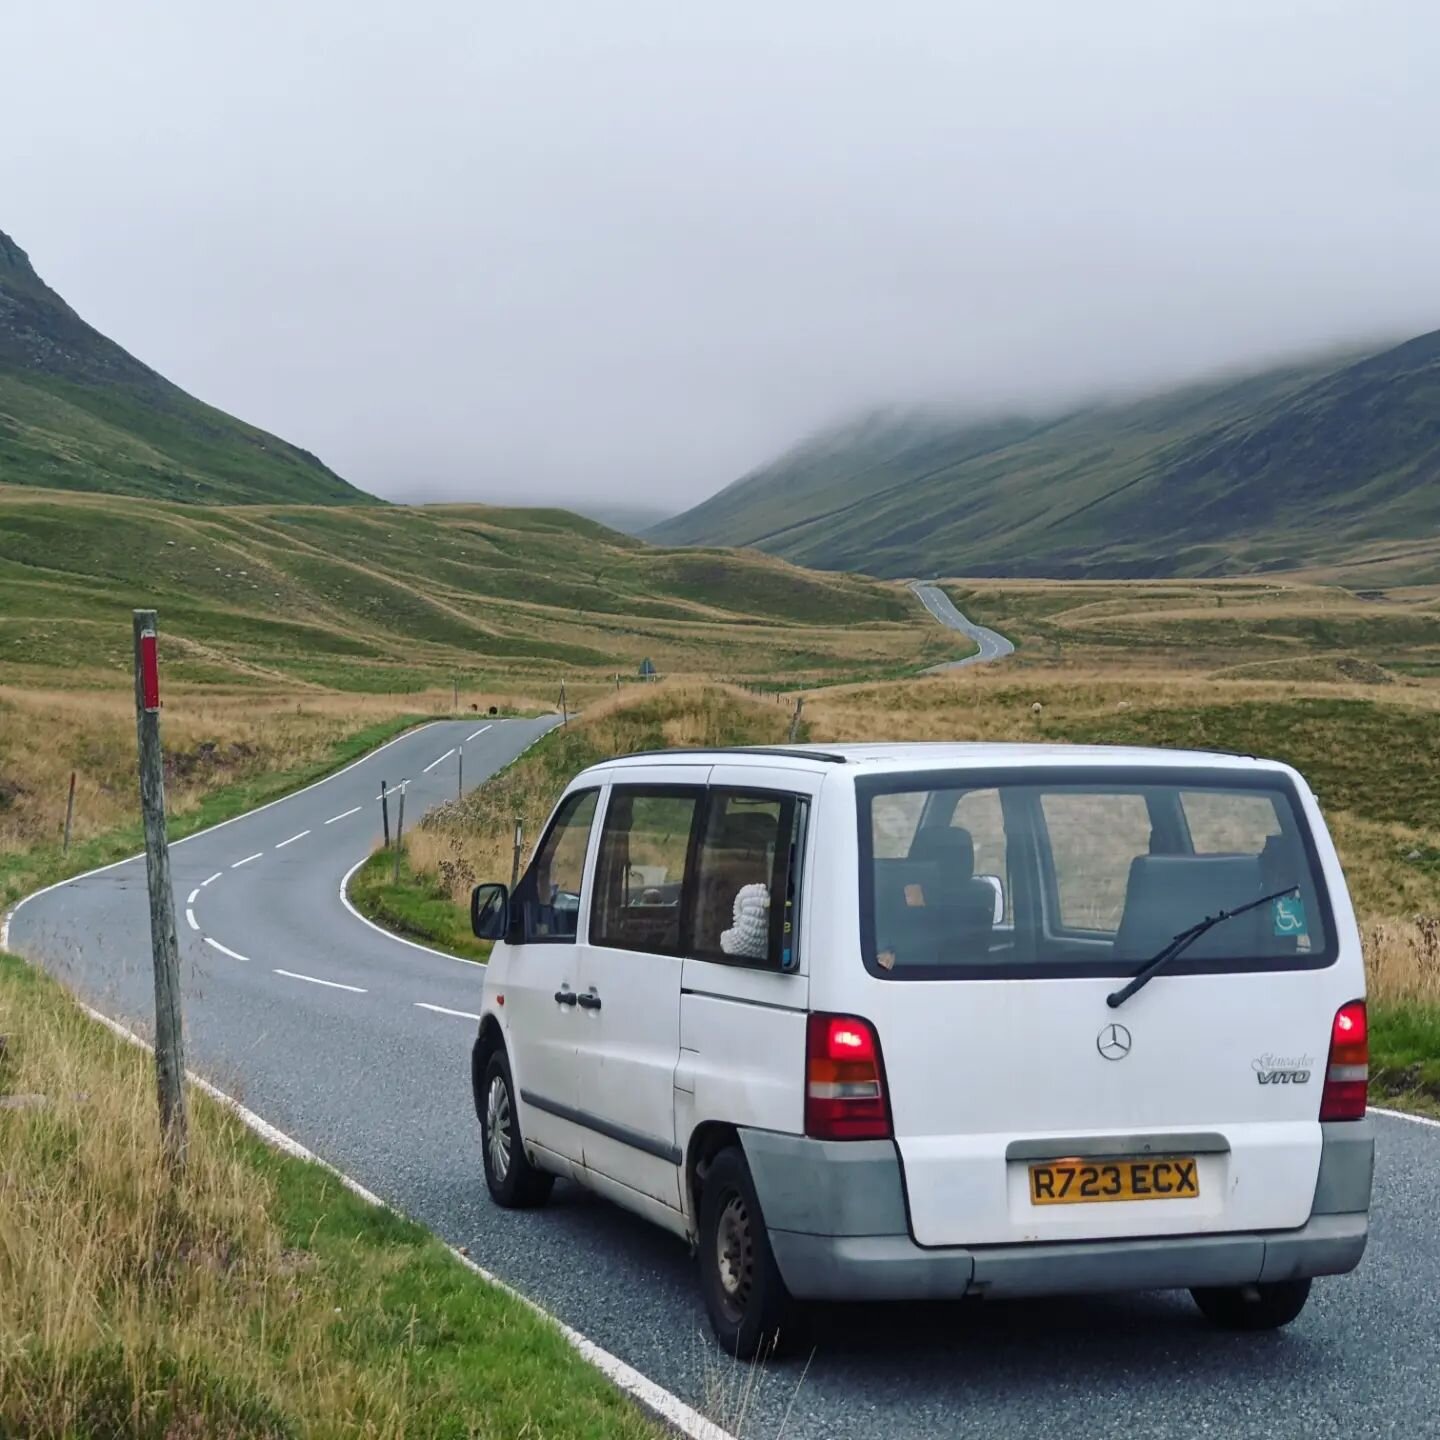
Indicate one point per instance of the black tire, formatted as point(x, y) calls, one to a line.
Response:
point(751, 1311)
point(513, 1181)
point(1253, 1307)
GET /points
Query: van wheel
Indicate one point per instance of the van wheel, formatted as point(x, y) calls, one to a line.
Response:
point(1253, 1307)
point(750, 1309)
point(513, 1181)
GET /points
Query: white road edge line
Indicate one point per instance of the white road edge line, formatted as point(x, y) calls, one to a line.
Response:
point(226, 950)
point(292, 839)
point(203, 883)
point(390, 934)
point(210, 829)
point(315, 980)
point(192, 896)
point(436, 761)
point(381, 930)
point(480, 731)
point(344, 815)
point(247, 859)
point(445, 1010)
point(190, 919)
point(654, 1399)
point(1405, 1115)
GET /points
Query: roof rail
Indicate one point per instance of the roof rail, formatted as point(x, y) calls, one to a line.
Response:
point(789, 752)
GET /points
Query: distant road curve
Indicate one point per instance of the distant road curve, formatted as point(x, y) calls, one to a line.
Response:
point(993, 645)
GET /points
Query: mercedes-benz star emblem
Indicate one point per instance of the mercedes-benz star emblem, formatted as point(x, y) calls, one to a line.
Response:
point(1113, 1042)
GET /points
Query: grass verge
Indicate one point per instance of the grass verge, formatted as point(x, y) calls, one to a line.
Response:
point(256, 1297)
point(419, 907)
point(23, 871)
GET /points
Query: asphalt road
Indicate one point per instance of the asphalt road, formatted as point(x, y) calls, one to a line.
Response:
point(359, 1047)
point(993, 645)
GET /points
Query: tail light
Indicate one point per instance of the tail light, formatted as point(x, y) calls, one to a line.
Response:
point(844, 1080)
point(1347, 1075)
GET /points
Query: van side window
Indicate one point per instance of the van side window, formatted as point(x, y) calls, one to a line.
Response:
point(548, 898)
point(1094, 838)
point(640, 875)
point(747, 878)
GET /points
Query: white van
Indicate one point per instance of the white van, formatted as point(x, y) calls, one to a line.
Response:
point(904, 1021)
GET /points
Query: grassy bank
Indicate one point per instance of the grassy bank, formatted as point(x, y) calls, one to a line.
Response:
point(256, 1298)
point(420, 906)
point(221, 761)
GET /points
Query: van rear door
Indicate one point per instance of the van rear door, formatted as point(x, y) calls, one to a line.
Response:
point(998, 913)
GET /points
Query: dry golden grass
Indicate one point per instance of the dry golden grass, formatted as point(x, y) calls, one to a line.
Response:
point(211, 738)
point(254, 1297)
point(1402, 960)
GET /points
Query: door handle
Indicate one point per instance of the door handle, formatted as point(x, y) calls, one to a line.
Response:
point(590, 1001)
point(565, 997)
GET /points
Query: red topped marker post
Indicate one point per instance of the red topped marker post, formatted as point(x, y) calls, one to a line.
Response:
point(169, 1040)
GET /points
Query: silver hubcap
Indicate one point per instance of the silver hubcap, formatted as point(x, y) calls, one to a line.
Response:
point(497, 1129)
point(735, 1254)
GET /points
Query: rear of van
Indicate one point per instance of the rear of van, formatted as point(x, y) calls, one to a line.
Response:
point(1084, 1020)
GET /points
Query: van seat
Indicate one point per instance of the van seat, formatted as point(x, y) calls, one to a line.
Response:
point(1166, 894)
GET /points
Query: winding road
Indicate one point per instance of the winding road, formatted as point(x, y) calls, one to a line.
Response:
point(357, 1044)
point(993, 645)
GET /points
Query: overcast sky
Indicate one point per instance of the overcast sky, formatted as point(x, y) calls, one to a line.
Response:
point(626, 250)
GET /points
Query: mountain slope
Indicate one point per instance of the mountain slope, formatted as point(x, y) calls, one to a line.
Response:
point(77, 412)
point(384, 599)
point(1303, 465)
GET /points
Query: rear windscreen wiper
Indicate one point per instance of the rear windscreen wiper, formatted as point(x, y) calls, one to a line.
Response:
point(1180, 943)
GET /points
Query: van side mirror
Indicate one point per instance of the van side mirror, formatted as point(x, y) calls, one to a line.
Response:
point(490, 912)
point(998, 886)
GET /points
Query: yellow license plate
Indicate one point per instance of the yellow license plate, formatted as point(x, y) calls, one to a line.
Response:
point(1080, 1182)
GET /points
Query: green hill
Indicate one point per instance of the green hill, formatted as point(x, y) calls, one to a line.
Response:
point(79, 413)
point(395, 598)
point(1300, 466)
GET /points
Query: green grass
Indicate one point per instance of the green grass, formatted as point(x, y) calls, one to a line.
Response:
point(258, 1297)
point(403, 598)
point(24, 871)
point(418, 907)
point(1405, 1056)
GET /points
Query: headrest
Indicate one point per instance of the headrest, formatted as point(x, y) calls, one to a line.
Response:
point(948, 846)
point(1169, 893)
point(746, 832)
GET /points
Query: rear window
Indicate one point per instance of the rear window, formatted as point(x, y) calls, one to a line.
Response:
point(1085, 872)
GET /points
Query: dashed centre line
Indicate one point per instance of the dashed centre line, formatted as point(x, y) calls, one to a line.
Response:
point(212, 879)
point(226, 950)
point(190, 899)
point(444, 1010)
point(247, 859)
point(315, 980)
point(190, 919)
point(436, 761)
point(480, 731)
point(292, 839)
point(344, 815)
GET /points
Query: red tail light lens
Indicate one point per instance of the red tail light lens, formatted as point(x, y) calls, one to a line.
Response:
point(1347, 1076)
point(844, 1080)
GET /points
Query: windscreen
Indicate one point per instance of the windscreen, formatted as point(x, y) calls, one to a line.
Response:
point(1062, 872)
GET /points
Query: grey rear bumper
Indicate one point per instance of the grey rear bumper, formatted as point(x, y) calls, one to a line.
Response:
point(835, 1213)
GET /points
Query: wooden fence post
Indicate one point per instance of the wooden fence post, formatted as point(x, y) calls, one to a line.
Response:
point(169, 1040)
point(795, 718)
point(69, 814)
point(519, 845)
point(399, 830)
point(459, 772)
